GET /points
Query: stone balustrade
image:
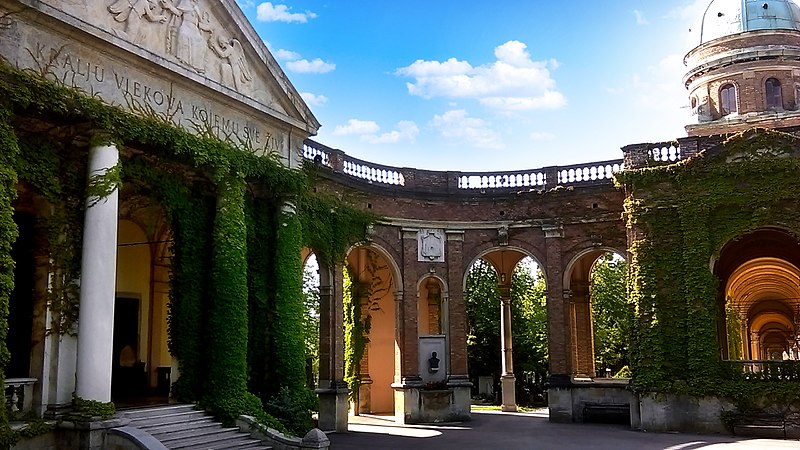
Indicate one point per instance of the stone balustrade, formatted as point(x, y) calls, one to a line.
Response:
point(19, 394)
point(578, 175)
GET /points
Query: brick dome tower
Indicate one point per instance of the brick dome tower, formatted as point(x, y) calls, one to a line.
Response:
point(745, 69)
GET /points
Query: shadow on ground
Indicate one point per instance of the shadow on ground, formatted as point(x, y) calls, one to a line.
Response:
point(531, 430)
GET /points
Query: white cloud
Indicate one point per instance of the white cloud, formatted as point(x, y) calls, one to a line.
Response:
point(355, 126)
point(368, 131)
point(541, 136)
point(314, 66)
point(267, 12)
point(246, 3)
point(457, 125)
point(286, 55)
point(406, 131)
point(314, 100)
point(640, 18)
point(513, 82)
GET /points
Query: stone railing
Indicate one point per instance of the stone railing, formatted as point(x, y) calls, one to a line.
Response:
point(19, 394)
point(650, 154)
point(768, 370)
point(590, 174)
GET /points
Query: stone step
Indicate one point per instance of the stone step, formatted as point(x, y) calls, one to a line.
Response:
point(206, 439)
point(190, 433)
point(169, 418)
point(183, 427)
point(237, 442)
point(158, 428)
point(136, 413)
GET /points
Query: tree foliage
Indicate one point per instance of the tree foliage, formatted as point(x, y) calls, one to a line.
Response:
point(528, 321)
point(612, 315)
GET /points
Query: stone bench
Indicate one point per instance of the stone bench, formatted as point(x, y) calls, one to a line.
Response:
point(760, 425)
point(607, 412)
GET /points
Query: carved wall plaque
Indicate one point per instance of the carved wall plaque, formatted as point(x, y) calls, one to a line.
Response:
point(430, 245)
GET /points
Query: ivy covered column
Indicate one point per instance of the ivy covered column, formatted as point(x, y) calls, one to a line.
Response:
point(9, 151)
point(98, 277)
point(289, 345)
point(225, 392)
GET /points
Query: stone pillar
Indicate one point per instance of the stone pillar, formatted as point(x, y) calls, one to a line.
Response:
point(332, 389)
point(407, 379)
point(559, 392)
point(582, 334)
point(507, 378)
point(755, 347)
point(98, 282)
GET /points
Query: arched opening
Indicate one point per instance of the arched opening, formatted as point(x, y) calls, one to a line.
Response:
point(311, 316)
point(598, 313)
point(505, 295)
point(431, 325)
point(759, 299)
point(371, 348)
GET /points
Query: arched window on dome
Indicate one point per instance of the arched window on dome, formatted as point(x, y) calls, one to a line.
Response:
point(727, 99)
point(772, 90)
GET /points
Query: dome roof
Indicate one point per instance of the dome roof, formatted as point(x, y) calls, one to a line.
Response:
point(726, 17)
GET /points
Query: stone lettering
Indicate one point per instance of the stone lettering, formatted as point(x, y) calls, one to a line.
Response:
point(90, 76)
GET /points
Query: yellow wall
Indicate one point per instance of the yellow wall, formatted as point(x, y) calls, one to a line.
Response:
point(134, 280)
point(381, 347)
point(133, 277)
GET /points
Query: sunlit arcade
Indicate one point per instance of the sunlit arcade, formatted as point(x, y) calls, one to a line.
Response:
point(159, 260)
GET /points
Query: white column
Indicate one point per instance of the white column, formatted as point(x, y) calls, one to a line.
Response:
point(98, 280)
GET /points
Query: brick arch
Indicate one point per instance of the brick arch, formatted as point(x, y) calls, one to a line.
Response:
point(480, 251)
point(580, 325)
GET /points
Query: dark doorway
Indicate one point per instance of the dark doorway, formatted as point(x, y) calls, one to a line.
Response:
point(20, 319)
point(128, 376)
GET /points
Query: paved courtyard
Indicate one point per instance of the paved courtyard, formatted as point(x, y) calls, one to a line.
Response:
point(510, 431)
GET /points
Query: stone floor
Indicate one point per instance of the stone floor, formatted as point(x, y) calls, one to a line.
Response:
point(532, 430)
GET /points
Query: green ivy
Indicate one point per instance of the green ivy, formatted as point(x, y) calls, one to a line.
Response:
point(224, 277)
point(9, 152)
point(679, 217)
point(288, 338)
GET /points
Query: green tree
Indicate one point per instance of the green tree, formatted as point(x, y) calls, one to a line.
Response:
point(612, 315)
point(528, 322)
point(311, 319)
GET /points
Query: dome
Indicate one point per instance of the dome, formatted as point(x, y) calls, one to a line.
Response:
point(726, 17)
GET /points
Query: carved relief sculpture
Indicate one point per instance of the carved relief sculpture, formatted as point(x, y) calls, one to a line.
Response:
point(234, 72)
point(187, 26)
point(135, 14)
point(186, 31)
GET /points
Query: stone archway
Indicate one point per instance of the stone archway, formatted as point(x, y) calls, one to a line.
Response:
point(759, 297)
point(577, 285)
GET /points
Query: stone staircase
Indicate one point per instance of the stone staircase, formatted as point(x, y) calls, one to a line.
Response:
point(184, 427)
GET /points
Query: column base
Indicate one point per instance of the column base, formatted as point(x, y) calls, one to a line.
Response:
point(333, 407)
point(508, 388)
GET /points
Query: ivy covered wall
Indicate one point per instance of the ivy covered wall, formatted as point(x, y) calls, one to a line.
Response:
point(679, 217)
point(235, 263)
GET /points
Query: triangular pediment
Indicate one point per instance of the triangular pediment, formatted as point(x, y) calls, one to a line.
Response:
point(198, 63)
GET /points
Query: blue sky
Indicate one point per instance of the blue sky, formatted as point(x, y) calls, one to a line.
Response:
point(475, 86)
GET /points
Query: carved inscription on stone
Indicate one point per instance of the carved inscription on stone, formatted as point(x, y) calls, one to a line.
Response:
point(114, 83)
point(430, 245)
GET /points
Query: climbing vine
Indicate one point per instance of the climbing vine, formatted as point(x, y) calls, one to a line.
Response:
point(9, 151)
point(701, 204)
point(226, 285)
